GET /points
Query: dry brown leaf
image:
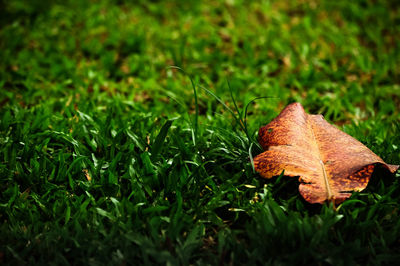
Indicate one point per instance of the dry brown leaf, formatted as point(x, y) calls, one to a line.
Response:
point(87, 175)
point(329, 163)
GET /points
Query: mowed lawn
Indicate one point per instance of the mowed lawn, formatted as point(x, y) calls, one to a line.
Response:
point(128, 130)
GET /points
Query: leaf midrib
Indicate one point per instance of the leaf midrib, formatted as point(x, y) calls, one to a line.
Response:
point(326, 180)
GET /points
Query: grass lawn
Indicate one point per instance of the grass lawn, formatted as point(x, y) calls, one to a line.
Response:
point(110, 156)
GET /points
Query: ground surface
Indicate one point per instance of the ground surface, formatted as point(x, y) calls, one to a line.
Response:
point(107, 156)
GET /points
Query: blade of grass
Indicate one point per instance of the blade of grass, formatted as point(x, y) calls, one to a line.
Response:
point(159, 141)
point(196, 118)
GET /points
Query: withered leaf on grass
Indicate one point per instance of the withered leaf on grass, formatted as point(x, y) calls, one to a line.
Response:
point(329, 163)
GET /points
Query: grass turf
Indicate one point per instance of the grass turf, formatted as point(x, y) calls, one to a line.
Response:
point(110, 156)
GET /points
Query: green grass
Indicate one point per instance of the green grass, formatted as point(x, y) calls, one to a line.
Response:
point(110, 156)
